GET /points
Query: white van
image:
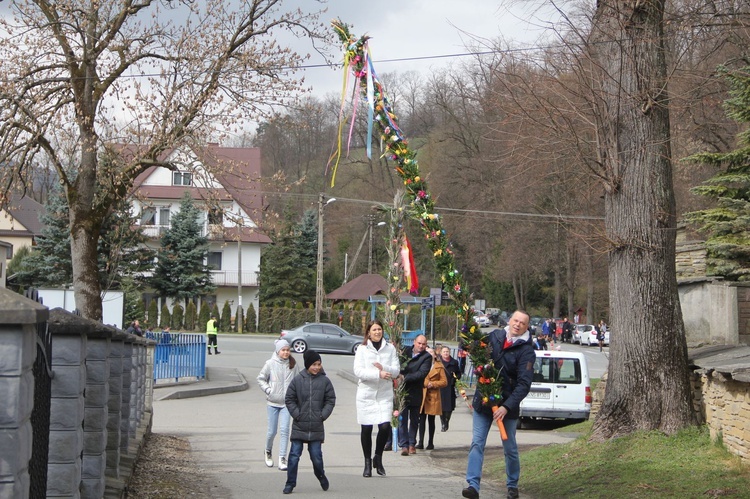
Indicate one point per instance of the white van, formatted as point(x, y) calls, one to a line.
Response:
point(560, 388)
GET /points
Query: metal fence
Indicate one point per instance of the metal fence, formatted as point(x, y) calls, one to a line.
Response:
point(179, 355)
point(40, 414)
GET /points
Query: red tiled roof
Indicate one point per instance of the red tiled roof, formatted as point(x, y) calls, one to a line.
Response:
point(360, 288)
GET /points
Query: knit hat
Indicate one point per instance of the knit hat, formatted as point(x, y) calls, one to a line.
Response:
point(279, 344)
point(311, 357)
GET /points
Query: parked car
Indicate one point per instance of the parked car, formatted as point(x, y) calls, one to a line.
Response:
point(535, 324)
point(321, 337)
point(581, 333)
point(560, 388)
point(592, 341)
point(482, 320)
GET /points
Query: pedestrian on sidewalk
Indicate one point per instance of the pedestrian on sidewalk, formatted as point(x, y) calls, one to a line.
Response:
point(212, 332)
point(310, 399)
point(512, 352)
point(375, 364)
point(431, 402)
point(274, 379)
point(415, 371)
point(448, 393)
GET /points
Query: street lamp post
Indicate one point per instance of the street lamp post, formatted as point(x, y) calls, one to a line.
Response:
point(319, 277)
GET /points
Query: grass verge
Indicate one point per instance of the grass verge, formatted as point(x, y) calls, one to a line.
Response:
point(646, 464)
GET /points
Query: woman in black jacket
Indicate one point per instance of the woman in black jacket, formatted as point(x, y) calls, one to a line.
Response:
point(448, 394)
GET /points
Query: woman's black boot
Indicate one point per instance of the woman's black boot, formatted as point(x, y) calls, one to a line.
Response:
point(378, 462)
point(368, 468)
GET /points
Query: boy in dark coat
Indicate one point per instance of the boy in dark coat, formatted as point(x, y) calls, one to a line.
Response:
point(310, 399)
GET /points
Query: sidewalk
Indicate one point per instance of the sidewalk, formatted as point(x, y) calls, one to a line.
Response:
point(227, 434)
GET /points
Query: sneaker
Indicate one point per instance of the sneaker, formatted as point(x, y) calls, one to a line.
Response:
point(324, 482)
point(288, 489)
point(282, 463)
point(512, 493)
point(268, 458)
point(470, 493)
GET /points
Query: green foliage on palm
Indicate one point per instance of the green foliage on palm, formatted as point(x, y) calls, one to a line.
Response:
point(181, 271)
point(190, 316)
point(225, 322)
point(727, 224)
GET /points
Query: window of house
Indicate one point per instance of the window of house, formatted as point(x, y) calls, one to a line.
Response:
point(216, 216)
point(148, 216)
point(214, 260)
point(182, 178)
point(164, 216)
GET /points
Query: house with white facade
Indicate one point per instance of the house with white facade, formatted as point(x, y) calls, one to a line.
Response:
point(19, 227)
point(224, 183)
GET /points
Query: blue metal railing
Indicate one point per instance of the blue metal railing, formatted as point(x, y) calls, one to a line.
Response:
point(179, 355)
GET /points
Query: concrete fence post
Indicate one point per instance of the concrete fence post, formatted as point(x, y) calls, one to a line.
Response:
point(19, 319)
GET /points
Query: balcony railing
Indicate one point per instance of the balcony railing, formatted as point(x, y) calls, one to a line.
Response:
point(229, 278)
point(212, 232)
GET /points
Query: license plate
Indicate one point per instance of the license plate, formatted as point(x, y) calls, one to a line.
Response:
point(538, 395)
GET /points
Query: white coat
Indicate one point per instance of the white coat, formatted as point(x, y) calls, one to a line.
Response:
point(374, 394)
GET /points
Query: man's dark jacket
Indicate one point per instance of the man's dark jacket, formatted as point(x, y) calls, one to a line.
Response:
point(415, 371)
point(310, 400)
point(516, 366)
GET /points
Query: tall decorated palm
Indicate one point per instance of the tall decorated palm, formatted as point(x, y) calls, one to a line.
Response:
point(418, 205)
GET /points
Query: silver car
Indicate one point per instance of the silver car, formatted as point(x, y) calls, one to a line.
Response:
point(321, 337)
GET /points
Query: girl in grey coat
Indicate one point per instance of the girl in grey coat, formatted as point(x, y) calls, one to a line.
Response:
point(274, 379)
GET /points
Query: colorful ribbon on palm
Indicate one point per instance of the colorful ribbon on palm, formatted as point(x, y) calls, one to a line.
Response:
point(358, 62)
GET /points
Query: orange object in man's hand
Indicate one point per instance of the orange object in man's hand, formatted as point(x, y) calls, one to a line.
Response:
point(500, 425)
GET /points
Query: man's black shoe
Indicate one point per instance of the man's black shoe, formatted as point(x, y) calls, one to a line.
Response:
point(512, 493)
point(288, 489)
point(470, 493)
point(323, 482)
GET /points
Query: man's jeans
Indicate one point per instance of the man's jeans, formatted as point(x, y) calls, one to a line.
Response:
point(316, 456)
point(481, 425)
point(278, 416)
point(407, 427)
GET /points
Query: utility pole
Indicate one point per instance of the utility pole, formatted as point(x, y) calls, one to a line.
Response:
point(319, 278)
point(369, 259)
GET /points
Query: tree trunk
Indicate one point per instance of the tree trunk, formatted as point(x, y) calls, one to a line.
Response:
point(648, 384)
point(590, 282)
point(569, 284)
point(558, 284)
point(85, 227)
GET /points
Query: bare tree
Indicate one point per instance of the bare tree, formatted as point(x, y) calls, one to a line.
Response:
point(149, 74)
point(648, 386)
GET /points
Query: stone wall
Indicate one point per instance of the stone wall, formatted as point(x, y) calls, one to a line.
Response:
point(723, 404)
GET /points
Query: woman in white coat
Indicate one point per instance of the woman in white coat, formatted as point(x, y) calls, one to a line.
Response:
point(375, 364)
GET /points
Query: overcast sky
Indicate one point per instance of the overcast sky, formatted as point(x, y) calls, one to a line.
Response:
point(404, 29)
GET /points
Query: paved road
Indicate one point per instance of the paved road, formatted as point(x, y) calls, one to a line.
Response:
point(227, 435)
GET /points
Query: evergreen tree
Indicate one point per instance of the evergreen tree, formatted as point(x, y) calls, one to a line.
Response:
point(288, 266)
point(153, 312)
point(250, 319)
point(239, 321)
point(203, 316)
point(166, 317)
point(190, 316)
point(177, 317)
point(727, 225)
point(225, 321)
point(122, 251)
point(181, 271)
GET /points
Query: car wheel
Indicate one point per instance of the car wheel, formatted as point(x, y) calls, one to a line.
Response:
point(299, 346)
point(355, 347)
